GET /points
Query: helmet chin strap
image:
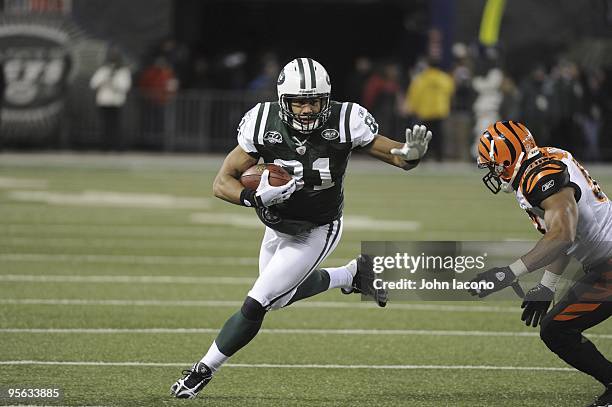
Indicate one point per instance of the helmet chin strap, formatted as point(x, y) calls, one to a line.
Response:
point(507, 186)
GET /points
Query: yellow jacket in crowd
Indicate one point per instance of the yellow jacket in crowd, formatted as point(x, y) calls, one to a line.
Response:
point(429, 94)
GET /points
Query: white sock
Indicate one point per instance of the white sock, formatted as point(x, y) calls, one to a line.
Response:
point(342, 277)
point(214, 358)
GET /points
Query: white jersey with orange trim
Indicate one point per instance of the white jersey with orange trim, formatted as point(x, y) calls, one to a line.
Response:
point(548, 170)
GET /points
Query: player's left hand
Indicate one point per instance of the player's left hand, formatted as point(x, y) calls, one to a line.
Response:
point(535, 304)
point(501, 277)
point(417, 141)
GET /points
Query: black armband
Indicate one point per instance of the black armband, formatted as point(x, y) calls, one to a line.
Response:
point(411, 164)
point(249, 198)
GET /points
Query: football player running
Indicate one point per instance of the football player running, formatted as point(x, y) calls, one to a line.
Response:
point(575, 216)
point(312, 137)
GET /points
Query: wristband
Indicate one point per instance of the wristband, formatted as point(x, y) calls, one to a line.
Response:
point(249, 198)
point(518, 267)
point(550, 280)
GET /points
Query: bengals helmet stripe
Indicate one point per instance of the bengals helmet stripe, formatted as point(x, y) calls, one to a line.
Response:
point(509, 144)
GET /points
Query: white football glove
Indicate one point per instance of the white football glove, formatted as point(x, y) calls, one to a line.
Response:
point(416, 144)
point(268, 195)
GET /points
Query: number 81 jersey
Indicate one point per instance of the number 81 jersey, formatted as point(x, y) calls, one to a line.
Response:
point(318, 158)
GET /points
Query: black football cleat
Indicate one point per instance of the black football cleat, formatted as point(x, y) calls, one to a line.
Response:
point(605, 400)
point(363, 282)
point(195, 380)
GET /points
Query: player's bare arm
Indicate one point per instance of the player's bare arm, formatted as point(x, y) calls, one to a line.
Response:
point(406, 155)
point(226, 184)
point(561, 218)
point(381, 149)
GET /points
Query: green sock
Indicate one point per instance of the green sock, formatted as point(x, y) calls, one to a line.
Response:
point(317, 282)
point(236, 333)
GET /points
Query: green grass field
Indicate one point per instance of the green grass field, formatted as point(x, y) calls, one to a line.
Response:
point(117, 271)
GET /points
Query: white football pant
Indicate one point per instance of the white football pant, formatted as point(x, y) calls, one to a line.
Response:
point(285, 261)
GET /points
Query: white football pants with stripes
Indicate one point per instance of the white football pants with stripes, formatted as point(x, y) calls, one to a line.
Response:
point(285, 261)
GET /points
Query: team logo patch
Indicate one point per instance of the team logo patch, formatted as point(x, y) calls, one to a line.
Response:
point(273, 137)
point(361, 113)
point(281, 78)
point(548, 185)
point(330, 134)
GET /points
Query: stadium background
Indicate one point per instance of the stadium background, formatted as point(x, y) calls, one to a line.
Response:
point(118, 267)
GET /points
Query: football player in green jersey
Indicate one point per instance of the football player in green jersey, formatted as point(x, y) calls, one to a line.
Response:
point(312, 137)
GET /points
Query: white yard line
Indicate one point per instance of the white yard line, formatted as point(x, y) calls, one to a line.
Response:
point(252, 262)
point(114, 258)
point(293, 366)
point(131, 279)
point(226, 303)
point(351, 222)
point(124, 230)
point(113, 242)
point(288, 331)
point(111, 199)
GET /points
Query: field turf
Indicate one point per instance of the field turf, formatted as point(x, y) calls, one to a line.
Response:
point(117, 271)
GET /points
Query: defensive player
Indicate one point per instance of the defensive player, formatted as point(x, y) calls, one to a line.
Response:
point(575, 216)
point(312, 137)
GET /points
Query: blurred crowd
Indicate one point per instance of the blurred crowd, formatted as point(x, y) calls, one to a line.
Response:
point(565, 104)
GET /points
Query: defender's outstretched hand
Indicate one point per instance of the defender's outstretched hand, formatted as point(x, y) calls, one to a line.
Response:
point(267, 195)
point(417, 141)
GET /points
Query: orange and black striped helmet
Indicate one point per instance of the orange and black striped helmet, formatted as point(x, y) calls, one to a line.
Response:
point(501, 147)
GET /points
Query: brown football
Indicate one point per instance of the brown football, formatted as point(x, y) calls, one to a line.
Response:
point(251, 177)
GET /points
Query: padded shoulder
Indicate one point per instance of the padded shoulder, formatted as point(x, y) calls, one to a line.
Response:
point(544, 178)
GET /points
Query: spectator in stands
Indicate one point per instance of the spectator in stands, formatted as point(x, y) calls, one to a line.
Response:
point(428, 100)
point(510, 104)
point(265, 81)
point(201, 76)
point(535, 104)
point(590, 117)
point(158, 81)
point(566, 101)
point(462, 76)
point(381, 96)
point(158, 85)
point(112, 82)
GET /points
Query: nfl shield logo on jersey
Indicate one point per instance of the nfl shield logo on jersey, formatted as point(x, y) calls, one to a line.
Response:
point(273, 137)
point(330, 134)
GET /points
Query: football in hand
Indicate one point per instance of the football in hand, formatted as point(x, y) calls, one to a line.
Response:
point(251, 177)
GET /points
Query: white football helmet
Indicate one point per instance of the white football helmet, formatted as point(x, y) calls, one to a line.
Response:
point(304, 78)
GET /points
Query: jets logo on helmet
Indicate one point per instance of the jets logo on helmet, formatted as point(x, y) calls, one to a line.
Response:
point(304, 79)
point(501, 149)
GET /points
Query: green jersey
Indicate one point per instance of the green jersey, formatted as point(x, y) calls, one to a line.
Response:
point(318, 159)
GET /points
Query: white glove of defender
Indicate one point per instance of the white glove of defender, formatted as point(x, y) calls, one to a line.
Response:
point(416, 144)
point(269, 195)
